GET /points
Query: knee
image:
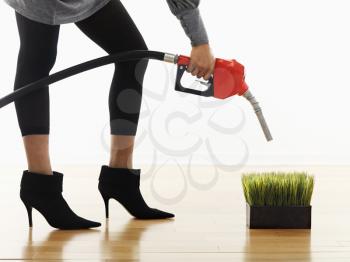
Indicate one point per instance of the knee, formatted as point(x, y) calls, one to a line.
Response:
point(135, 68)
point(131, 71)
point(37, 62)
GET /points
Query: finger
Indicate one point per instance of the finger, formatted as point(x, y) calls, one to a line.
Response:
point(201, 74)
point(190, 67)
point(195, 72)
point(207, 75)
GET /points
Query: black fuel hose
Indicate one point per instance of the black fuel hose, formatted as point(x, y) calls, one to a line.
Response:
point(91, 64)
point(109, 59)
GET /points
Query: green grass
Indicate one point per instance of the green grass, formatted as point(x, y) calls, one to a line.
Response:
point(278, 188)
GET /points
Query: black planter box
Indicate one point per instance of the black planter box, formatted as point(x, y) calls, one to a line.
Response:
point(287, 217)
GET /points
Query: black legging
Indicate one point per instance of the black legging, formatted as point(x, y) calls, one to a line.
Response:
point(113, 30)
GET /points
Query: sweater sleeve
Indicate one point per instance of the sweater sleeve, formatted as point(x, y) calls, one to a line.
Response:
point(188, 13)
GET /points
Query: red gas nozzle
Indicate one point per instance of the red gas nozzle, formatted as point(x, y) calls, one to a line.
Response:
point(228, 80)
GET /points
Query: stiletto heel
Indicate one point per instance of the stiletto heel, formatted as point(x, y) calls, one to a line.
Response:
point(106, 200)
point(29, 212)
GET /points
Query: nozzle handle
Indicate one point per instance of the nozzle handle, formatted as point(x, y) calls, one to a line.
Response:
point(181, 68)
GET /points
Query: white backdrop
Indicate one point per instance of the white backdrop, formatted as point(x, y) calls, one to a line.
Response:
point(296, 55)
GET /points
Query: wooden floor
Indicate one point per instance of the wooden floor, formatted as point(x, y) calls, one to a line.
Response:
point(208, 226)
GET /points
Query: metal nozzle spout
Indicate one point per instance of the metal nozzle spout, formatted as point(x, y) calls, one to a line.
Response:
point(248, 95)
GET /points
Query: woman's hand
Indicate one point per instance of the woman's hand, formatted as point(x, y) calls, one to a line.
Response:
point(202, 62)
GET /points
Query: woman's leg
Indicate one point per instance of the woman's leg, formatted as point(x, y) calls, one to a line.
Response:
point(113, 30)
point(36, 58)
point(37, 55)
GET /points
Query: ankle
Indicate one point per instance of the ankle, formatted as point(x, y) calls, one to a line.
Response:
point(119, 165)
point(41, 171)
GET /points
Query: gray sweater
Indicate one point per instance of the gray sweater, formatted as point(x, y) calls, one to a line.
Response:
point(55, 12)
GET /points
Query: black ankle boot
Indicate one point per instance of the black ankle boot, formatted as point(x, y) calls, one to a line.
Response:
point(44, 193)
point(122, 184)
